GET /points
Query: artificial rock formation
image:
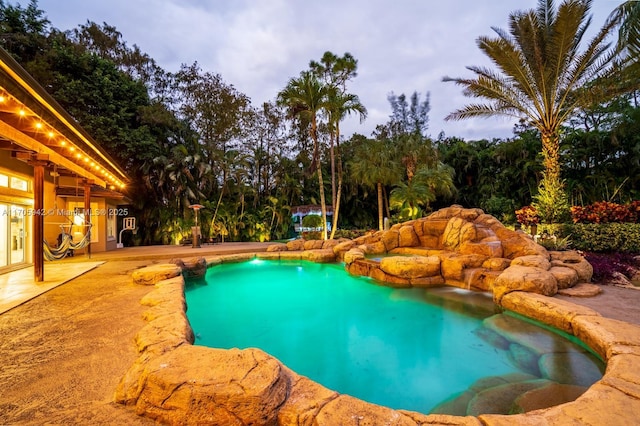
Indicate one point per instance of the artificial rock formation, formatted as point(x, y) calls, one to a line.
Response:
point(454, 246)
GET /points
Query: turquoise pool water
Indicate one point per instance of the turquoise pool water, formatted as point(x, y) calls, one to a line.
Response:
point(401, 348)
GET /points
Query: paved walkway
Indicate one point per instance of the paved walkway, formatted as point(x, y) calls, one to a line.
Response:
point(63, 353)
point(18, 286)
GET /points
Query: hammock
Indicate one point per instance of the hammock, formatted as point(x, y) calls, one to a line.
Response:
point(66, 244)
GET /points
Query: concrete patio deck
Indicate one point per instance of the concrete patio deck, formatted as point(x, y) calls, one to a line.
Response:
point(18, 287)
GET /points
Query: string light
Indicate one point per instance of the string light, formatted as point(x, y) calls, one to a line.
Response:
point(51, 133)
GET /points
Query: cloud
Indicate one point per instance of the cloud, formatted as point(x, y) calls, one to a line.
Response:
point(258, 46)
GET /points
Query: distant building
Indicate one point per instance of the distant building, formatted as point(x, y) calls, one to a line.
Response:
point(299, 212)
point(53, 175)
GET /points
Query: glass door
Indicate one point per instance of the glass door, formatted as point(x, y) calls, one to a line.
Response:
point(16, 234)
point(4, 240)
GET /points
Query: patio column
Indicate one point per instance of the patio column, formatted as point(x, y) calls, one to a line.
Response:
point(87, 211)
point(38, 220)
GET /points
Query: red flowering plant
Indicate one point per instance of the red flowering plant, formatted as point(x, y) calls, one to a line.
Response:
point(606, 212)
point(527, 216)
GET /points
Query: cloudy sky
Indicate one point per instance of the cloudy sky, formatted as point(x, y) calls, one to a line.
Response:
point(401, 46)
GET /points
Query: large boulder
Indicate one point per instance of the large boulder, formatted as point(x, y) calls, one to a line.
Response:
point(524, 278)
point(574, 260)
point(391, 239)
point(195, 267)
point(453, 265)
point(411, 266)
point(176, 388)
point(295, 245)
point(408, 237)
point(277, 247)
point(152, 274)
point(566, 277)
point(534, 260)
point(320, 255)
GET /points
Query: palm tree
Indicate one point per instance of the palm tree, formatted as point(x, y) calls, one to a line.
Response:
point(627, 16)
point(305, 97)
point(372, 167)
point(412, 197)
point(543, 76)
point(340, 105)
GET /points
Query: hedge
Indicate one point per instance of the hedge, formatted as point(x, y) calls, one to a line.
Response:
point(604, 237)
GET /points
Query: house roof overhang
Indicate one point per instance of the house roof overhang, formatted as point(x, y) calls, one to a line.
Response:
point(34, 127)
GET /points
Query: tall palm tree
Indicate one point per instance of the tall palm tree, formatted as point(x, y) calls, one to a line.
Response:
point(543, 75)
point(340, 105)
point(305, 97)
point(372, 167)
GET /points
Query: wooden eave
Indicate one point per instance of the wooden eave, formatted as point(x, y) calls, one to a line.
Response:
point(33, 124)
point(96, 191)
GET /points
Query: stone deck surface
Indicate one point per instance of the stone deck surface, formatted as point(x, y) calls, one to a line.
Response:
point(64, 353)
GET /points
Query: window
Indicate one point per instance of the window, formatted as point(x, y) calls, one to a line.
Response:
point(111, 223)
point(19, 184)
point(4, 180)
point(79, 228)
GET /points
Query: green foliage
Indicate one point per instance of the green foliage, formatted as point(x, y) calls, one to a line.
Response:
point(551, 202)
point(609, 237)
point(501, 208)
point(312, 221)
point(191, 137)
point(555, 243)
point(545, 73)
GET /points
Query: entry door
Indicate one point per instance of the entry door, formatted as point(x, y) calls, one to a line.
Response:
point(16, 234)
point(4, 239)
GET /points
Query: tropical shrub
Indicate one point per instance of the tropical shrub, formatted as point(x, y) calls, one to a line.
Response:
point(555, 243)
point(500, 207)
point(551, 202)
point(604, 237)
point(605, 266)
point(606, 212)
point(312, 221)
point(527, 216)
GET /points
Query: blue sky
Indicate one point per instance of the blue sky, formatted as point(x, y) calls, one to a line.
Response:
point(401, 46)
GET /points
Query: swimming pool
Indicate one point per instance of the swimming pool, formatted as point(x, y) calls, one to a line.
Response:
point(394, 347)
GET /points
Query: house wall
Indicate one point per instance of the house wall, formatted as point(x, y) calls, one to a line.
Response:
point(16, 206)
point(17, 213)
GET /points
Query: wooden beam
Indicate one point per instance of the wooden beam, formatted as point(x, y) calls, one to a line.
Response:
point(87, 212)
point(10, 133)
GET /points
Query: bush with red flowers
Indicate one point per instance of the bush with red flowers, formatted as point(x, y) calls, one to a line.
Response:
point(606, 212)
point(527, 216)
